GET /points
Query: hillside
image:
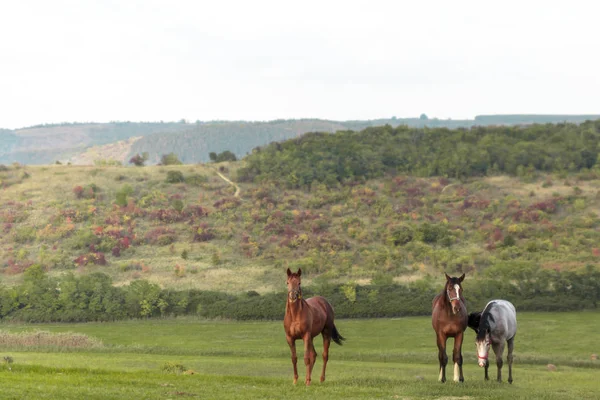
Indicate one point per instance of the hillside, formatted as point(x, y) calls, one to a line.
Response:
point(132, 224)
point(45, 144)
point(373, 218)
point(116, 152)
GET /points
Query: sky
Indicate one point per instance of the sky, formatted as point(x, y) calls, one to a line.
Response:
point(100, 61)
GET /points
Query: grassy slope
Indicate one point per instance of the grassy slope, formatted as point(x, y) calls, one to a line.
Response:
point(116, 151)
point(382, 358)
point(272, 228)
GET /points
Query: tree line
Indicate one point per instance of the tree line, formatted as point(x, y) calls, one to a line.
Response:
point(41, 298)
point(348, 156)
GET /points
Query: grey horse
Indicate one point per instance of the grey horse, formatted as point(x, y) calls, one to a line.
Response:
point(496, 325)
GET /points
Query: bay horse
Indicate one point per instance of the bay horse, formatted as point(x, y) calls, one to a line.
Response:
point(496, 325)
point(449, 319)
point(305, 319)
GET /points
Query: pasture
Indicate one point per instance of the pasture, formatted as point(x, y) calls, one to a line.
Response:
point(382, 358)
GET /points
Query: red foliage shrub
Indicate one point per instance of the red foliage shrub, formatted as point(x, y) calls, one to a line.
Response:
point(78, 192)
point(497, 235)
point(195, 211)
point(124, 243)
point(227, 203)
point(160, 236)
point(288, 231)
point(167, 215)
point(17, 267)
point(112, 219)
point(548, 206)
point(72, 215)
point(413, 191)
point(274, 227)
point(96, 258)
point(203, 233)
point(116, 251)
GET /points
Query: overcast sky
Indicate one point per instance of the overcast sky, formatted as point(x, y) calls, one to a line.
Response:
point(262, 60)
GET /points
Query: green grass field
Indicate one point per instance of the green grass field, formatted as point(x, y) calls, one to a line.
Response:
point(382, 358)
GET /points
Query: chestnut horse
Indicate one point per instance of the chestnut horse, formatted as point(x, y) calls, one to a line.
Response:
point(449, 319)
point(305, 319)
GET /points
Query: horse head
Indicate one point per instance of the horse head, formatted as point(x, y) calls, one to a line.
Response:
point(482, 344)
point(293, 285)
point(454, 292)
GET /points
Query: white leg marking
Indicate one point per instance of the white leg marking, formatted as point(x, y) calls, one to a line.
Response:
point(456, 374)
point(440, 378)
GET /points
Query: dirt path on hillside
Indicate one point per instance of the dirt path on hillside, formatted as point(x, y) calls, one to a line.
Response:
point(237, 188)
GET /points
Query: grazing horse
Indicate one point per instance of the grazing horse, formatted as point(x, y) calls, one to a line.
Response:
point(496, 324)
point(449, 319)
point(305, 319)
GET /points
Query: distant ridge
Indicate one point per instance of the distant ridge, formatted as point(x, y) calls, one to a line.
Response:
point(192, 142)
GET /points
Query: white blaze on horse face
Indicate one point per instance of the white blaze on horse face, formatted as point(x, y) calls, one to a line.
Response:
point(455, 299)
point(483, 348)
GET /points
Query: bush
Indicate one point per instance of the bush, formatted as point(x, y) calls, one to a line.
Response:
point(139, 160)
point(173, 368)
point(122, 194)
point(196, 179)
point(399, 235)
point(175, 177)
point(170, 159)
point(25, 234)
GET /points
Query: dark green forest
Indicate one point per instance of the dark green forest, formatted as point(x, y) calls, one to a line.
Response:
point(348, 156)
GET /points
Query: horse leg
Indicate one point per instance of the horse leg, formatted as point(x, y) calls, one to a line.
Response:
point(487, 365)
point(443, 358)
point(499, 350)
point(457, 358)
point(509, 358)
point(292, 344)
point(309, 357)
point(326, 343)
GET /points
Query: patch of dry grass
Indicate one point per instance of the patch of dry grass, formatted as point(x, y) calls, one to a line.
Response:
point(38, 339)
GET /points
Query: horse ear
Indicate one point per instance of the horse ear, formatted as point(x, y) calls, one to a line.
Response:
point(462, 277)
point(289, 272)
point(447, 277)
point(299, 272)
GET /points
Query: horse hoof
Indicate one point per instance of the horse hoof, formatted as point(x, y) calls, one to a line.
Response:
point(307, 383)
point(322, 379)
point(295, 381)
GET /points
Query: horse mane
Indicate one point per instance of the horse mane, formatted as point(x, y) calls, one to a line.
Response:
point(486, 319)
point(473, 321)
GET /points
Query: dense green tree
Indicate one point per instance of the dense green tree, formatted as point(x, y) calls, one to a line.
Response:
point(170, 159)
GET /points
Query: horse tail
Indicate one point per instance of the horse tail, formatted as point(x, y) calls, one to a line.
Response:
point(335, 335)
